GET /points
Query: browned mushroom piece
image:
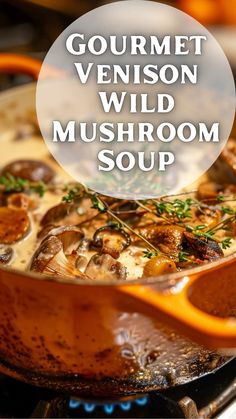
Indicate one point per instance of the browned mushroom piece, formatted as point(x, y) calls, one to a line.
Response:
point(70, 237)
point(14, 224)
point(32, 170)
point(111, 240)
point(6, 254)
point(105, 268)
point(205, 249)
point(69, 214)
point(50, 259)
point(168, 238)
point(56, 214)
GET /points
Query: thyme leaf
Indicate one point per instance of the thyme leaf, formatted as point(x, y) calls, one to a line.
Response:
point(226, 243)
point(148, 253)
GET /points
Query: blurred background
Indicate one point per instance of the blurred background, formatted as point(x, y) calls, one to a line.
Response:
point(31, 26)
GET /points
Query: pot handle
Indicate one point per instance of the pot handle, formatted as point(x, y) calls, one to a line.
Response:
point(186, 307)
point(17, 63)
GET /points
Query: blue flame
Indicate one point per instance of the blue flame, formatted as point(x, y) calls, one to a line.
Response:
point(108, 408)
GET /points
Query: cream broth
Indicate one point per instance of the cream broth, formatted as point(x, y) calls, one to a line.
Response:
point(33, 147)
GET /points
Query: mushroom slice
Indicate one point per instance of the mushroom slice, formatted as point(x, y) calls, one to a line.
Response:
point(32, 170)
point(6, 254)
point(45, 253)
point(205, 249)
point(104, 267)
point(50, 259)
point(111, 240)
point(14, 224)
point(70, 236)
point(70, 214)
point(56, 214)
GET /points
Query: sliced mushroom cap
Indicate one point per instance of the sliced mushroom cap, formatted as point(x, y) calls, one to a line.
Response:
point(70, 236)
point(32, 170)
point(50, 259)
point(14, 224)
point(69, 214)
point(205, 249)
point(6, 254)
point(105, 268)
point(56, 214)
point(45, 253)
point(111, 240)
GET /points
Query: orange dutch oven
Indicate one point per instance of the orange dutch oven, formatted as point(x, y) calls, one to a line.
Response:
point(101, 339)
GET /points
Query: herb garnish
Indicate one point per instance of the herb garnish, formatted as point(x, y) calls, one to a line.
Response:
point(72, 194)
point(149, 253)
point(12, 184)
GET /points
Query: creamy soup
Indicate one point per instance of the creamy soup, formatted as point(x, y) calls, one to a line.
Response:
point(50, 225)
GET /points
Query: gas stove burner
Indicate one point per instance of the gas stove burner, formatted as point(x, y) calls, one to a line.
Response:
point(108, 408)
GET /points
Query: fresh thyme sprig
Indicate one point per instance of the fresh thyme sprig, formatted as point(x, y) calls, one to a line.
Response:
point(200, 231)
point(226, 243)
point(173, 212)
point(12, 183)
point(179, 209)
point(149, 253)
